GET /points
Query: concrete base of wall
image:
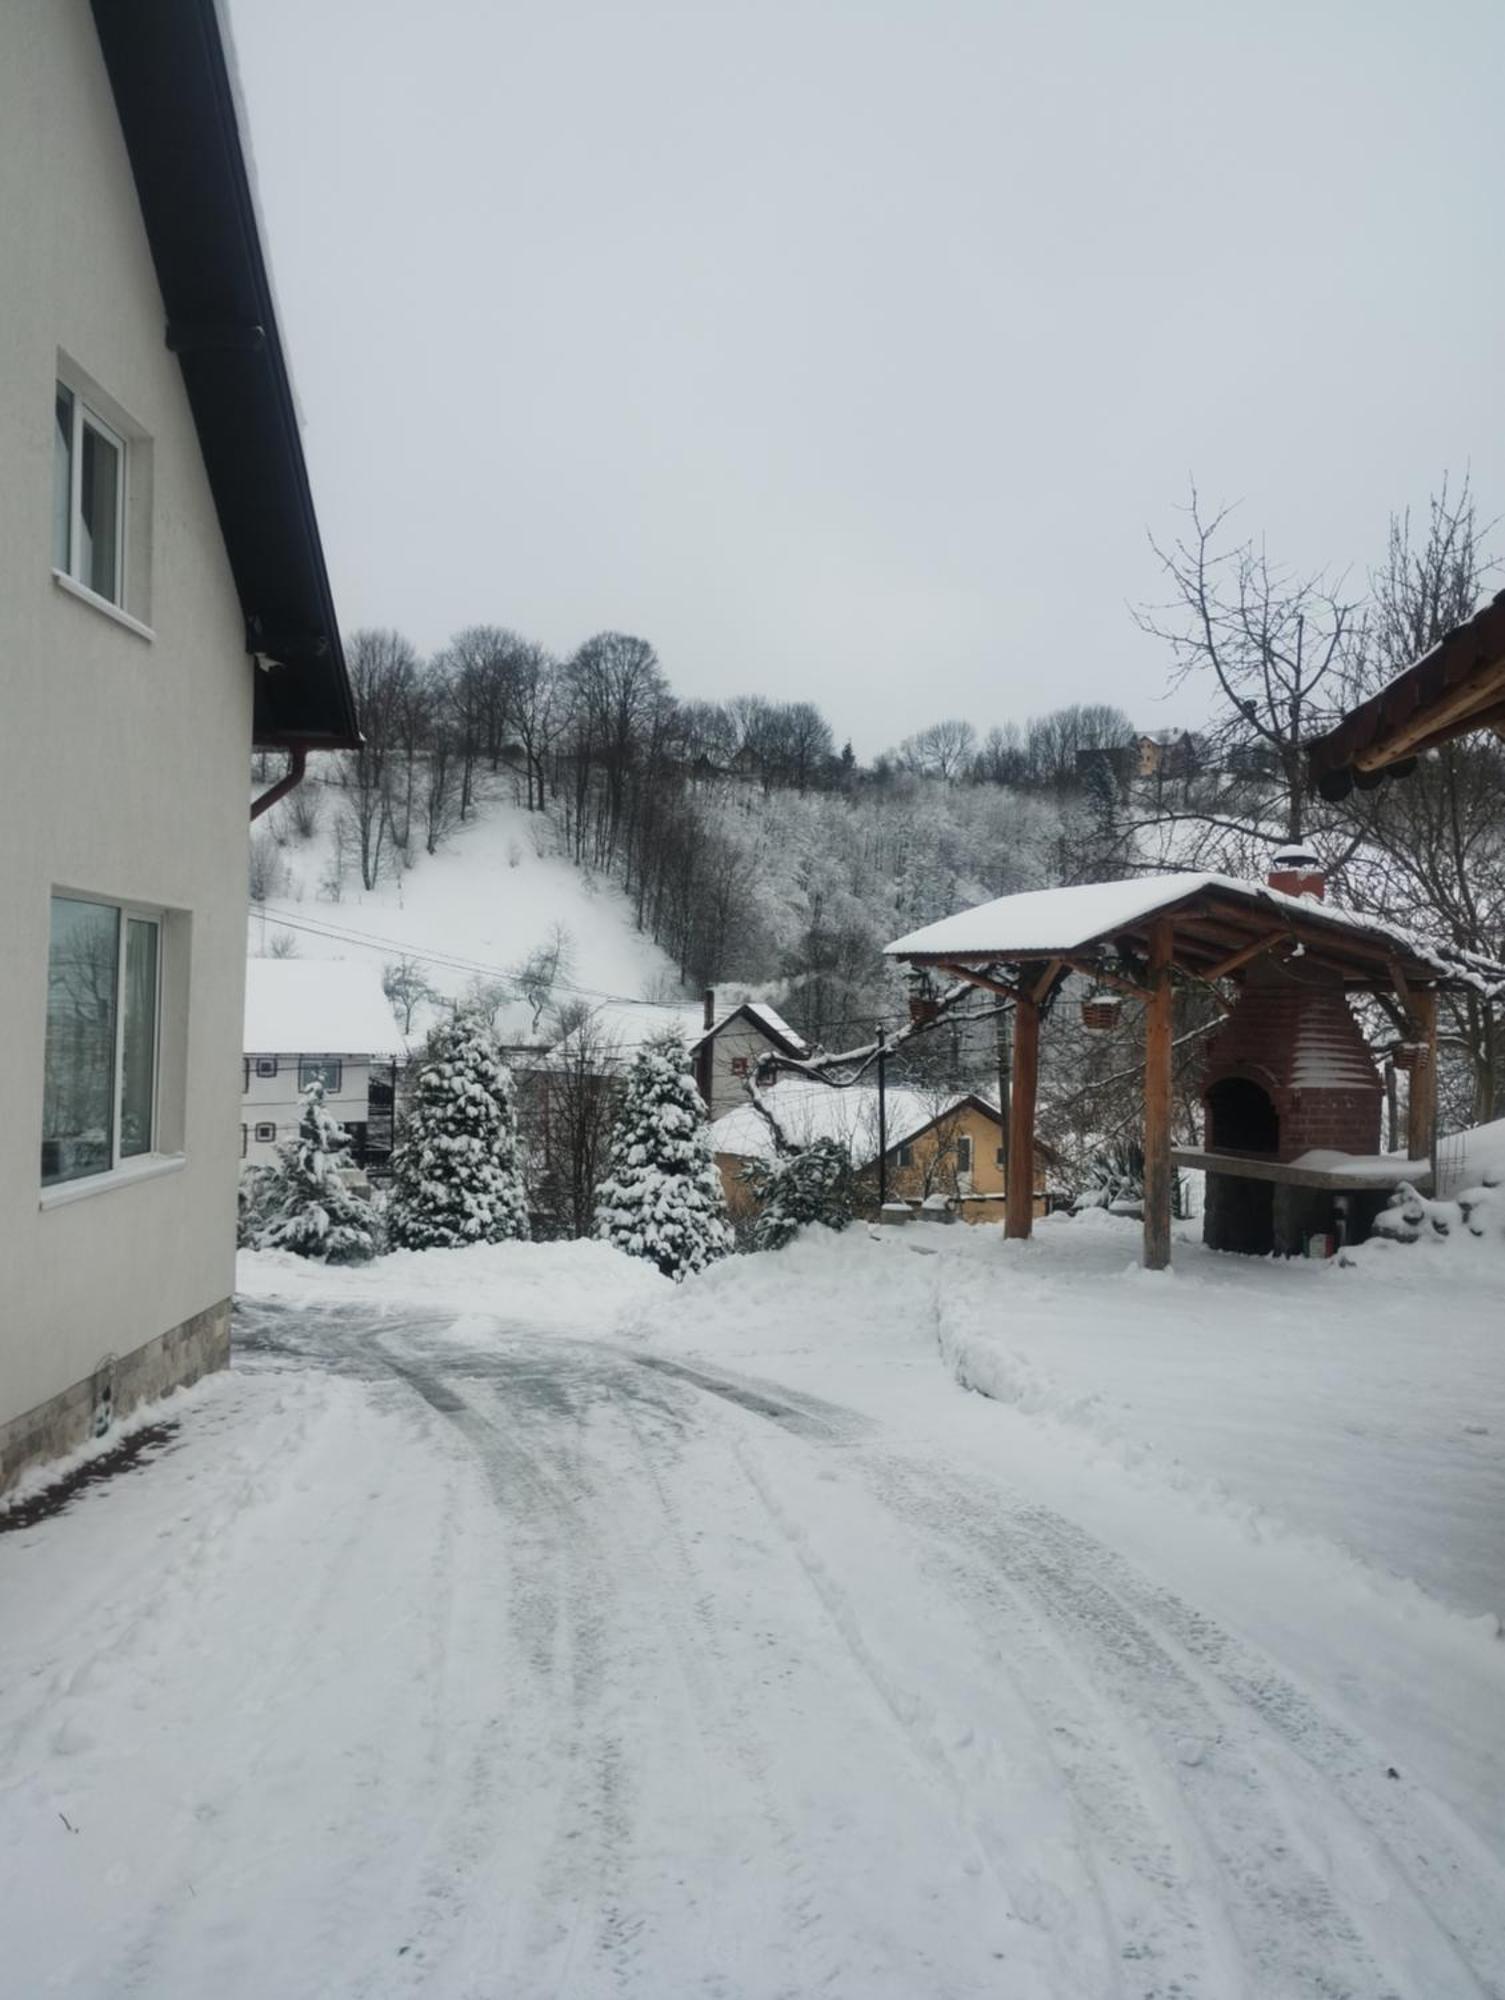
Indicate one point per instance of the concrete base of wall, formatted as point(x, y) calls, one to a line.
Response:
point(171, 1361)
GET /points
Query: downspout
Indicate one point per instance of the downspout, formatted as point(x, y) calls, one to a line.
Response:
point(290, 779)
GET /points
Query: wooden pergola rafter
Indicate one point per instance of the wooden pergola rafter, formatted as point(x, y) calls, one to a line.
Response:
point(1140, 939)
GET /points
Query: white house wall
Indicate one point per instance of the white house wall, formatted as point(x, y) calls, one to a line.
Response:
point(738, 1041)
point(276, 1100)
point(123, 760)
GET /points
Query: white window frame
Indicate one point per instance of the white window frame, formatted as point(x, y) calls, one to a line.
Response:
point(84, 412)
point(122, 1164)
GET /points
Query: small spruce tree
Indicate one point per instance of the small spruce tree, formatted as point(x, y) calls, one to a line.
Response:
point(309, 1208)
point(662, 1199)
point(455, 1172)
point(815, 1185)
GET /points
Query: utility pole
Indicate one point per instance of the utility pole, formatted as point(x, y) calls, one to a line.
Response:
point(882, 1120)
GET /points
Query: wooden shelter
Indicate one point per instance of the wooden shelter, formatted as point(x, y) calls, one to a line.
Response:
point(1455, 689)
point(1144, 938)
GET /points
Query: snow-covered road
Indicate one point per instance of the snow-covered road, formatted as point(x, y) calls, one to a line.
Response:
point(464, 1660)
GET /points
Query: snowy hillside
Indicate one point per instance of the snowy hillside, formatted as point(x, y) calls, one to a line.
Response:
point(496, 894)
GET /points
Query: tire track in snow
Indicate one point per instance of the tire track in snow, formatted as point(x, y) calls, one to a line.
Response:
point(1209, 1711)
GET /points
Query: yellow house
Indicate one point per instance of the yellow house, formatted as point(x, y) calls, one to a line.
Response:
point(937, 1143)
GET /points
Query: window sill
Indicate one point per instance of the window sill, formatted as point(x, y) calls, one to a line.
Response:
point(152, 1168)
point(82, 592)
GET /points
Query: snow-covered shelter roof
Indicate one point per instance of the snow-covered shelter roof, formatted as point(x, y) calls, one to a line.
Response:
point(1214, 914)
point(807, 1111)
point(325, 1006)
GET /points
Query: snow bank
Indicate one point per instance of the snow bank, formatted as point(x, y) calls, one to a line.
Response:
point(1361, 1403)
point(551, 1287)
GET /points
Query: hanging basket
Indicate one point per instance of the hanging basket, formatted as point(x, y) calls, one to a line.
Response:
point(1409, 1055)
point(1101, 1011)
point(924, 1001)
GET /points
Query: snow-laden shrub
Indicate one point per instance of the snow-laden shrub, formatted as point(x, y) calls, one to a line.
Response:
point(455, 1172)
point(255, 1198)
point(311, 1209)
point(816, 1185)
point(662, 1197)
point(1114, 1179)
point(1414, 1218)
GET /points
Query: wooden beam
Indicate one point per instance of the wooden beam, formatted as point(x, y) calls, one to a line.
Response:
point(1398, 981)
point(1019, 1214)
point(1421, 1108)
point(1119, 985)
point(982, 979)
point(1237, 958)
point(1040, 991)
point(1159, 1022)
point(1453, 712)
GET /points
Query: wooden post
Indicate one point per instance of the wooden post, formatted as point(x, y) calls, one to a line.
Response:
point(1159, 1018)
point(1421, 1107)
point(1001, 1031)
point(1019, 1209)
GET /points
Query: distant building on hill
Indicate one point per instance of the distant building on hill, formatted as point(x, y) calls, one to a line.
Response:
point(324, 1020)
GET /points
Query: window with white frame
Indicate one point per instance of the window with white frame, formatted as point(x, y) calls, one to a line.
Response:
point(328, 1070)
point(904, 1154)
point(104, 981)
point(88, 506)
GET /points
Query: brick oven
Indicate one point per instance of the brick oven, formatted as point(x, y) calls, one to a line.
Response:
point(1289, 1073)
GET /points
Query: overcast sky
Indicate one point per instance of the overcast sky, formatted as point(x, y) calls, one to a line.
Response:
point(847, 349)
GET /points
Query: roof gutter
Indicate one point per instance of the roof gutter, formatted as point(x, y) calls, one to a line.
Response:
point(292, 777)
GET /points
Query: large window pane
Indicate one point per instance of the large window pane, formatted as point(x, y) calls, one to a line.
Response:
point(99, 512)
point(62, 478)
point(138, 1044)
point(78, 1106)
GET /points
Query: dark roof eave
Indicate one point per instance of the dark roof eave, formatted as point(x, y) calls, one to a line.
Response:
point(1477, 646)
point(175, 99)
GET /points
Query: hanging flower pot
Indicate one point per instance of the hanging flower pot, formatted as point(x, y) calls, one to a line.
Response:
point(924, 1001)
point(1409, 1055)
point(1101, 1011)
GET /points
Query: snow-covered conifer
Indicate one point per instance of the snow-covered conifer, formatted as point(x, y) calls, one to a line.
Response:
point(662, 1198)
point(455, 1173)
point(815, 1185)
point(311, 1210)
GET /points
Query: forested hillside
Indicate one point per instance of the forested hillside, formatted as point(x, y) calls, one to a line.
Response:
point(752, 848)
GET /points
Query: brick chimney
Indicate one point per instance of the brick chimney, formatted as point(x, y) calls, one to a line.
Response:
point(1296, 871)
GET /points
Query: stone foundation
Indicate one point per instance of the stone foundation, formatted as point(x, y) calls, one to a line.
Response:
point(171, 1361)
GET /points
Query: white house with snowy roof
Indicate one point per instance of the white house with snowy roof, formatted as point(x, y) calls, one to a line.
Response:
point(318, 1020)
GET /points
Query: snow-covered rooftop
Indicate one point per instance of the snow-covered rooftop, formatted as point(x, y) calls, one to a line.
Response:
point(297, 1006)
point(1044, 922)
point(807, 1111)
point(623, 1027)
